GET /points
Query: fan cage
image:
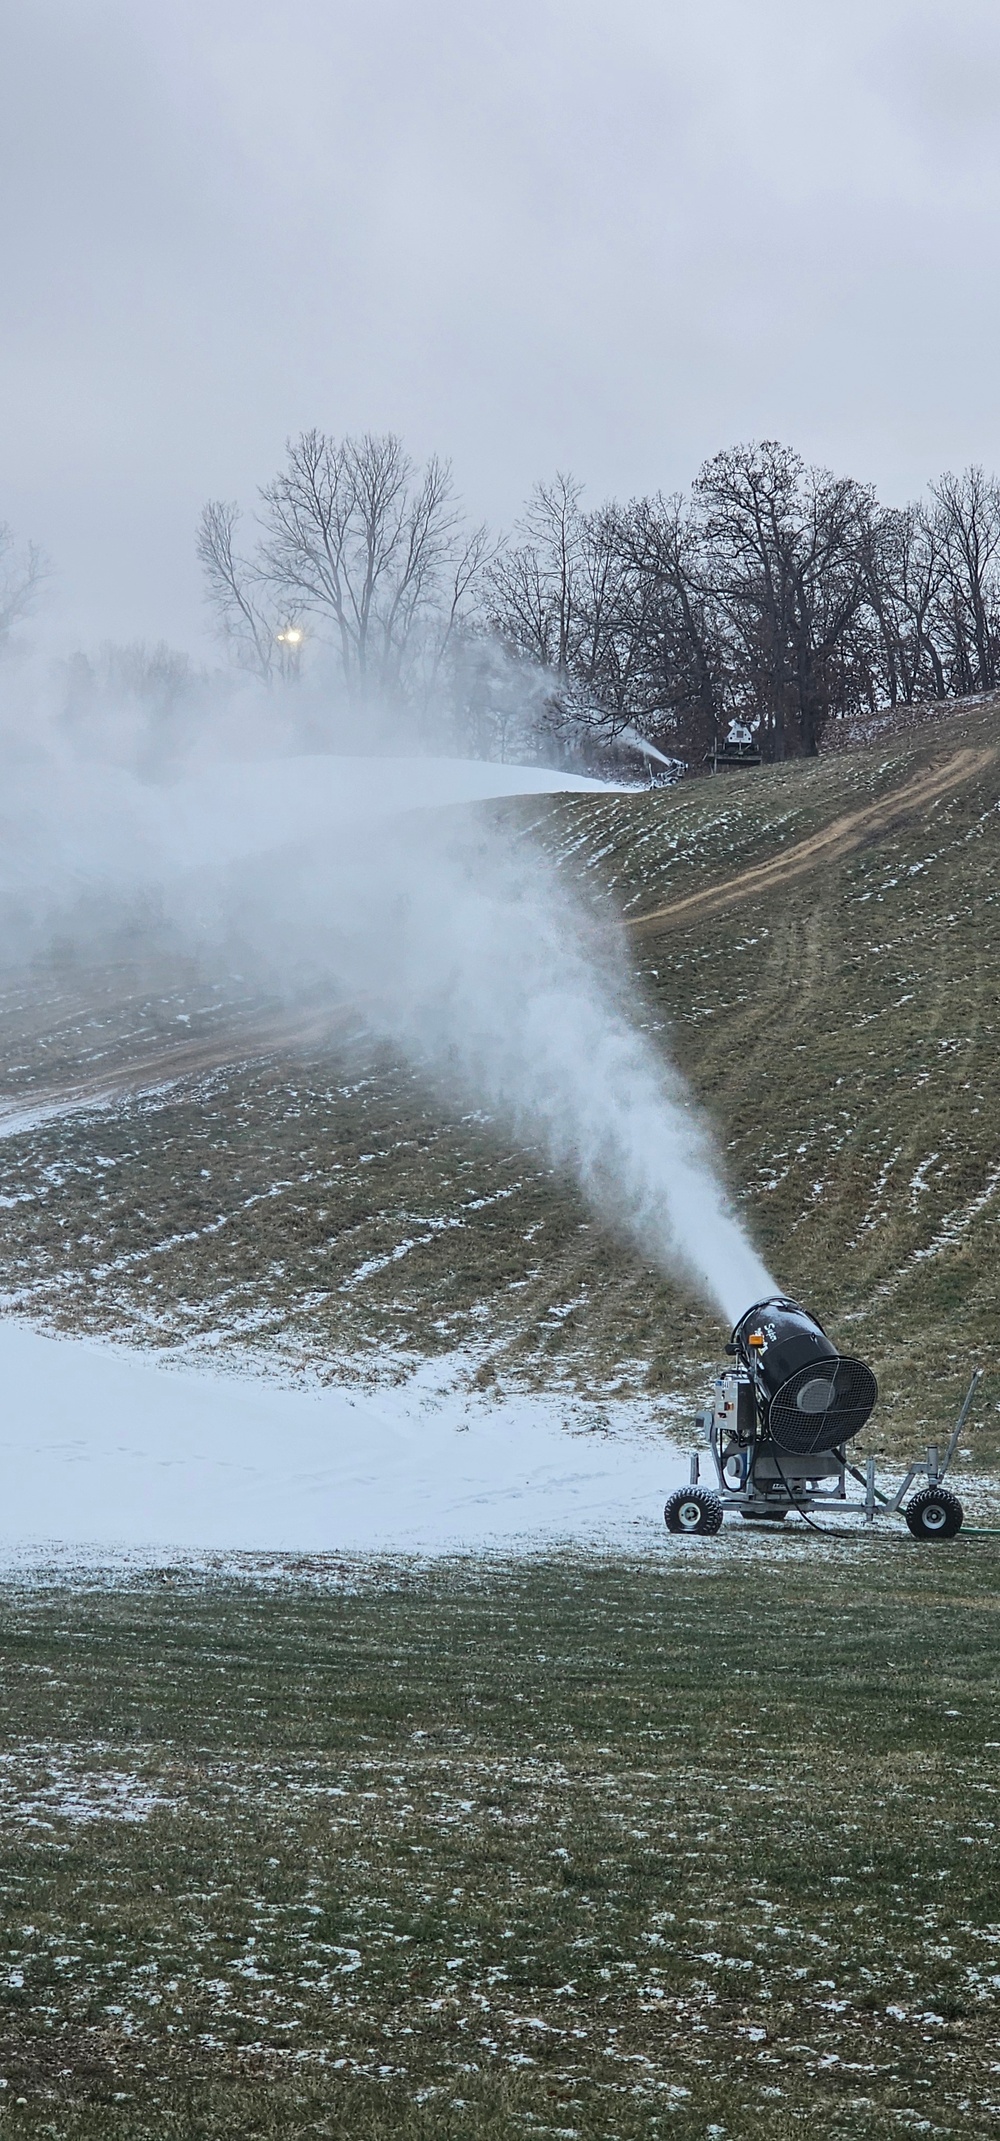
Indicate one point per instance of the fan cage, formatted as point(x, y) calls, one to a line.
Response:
point(821, 1406)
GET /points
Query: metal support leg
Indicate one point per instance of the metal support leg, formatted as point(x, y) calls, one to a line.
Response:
point(960, 1422)
point(694, 1469)
point(870, 1491)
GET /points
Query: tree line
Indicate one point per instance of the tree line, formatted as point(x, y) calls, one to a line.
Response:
point(773, 593)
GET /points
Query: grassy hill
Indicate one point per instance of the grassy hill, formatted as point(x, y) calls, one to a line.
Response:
point(833, 996)
point(568, 1847)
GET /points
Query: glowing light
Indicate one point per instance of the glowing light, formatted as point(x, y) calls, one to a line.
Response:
point(290, 637)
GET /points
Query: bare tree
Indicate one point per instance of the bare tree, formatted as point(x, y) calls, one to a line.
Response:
point(132, 704)
point(785, 550)
point(263, 635)
point(432, 654)
point(967, 525)
point(23, 567)
point(680, 672)
point(354, 538)
point(534, 585)
point(567, 600)
point(905, 572)
point(499, 704)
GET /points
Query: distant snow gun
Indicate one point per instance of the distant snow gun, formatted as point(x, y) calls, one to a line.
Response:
point(778, 1432)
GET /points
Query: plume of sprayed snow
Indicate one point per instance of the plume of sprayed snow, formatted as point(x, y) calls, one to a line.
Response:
point(455, 939)
point(464, 948)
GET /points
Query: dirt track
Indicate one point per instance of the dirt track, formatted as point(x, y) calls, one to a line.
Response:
point(162, 1064)
point(841, 837)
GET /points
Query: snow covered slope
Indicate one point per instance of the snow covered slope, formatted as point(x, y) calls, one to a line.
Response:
point(103, 1448)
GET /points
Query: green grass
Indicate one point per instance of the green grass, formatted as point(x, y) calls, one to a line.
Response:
point(694, 1846)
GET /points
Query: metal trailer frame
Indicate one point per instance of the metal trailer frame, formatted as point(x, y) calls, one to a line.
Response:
point(770, 1482)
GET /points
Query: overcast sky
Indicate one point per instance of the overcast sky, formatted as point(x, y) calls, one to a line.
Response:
point(531, 235)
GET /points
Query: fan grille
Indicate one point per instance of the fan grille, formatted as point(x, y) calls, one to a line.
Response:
point(821, 1406)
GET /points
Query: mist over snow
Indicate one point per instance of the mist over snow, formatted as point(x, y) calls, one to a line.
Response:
point(102, 1445)
point(359, 882)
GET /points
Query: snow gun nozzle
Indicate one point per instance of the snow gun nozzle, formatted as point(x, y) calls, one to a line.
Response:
point(808, 1395)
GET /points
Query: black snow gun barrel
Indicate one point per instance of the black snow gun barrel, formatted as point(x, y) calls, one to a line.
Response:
point(808, 1396)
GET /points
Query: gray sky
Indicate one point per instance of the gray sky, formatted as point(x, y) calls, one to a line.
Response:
point(537, 234)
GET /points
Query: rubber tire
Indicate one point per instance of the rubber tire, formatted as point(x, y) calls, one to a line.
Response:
point(683, 1504)
point(941, 1507)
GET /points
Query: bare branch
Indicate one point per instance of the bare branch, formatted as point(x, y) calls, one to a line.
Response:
point(23, 568)
point(230, 582)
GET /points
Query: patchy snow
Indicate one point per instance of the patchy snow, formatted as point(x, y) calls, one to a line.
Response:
point(40, 1785)
point(102, 1448)
point(17, 1119)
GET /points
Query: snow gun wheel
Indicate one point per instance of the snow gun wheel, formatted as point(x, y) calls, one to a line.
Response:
point(934, 1513)
point(695, 1510)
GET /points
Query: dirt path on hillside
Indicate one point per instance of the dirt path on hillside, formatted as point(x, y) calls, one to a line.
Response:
point(167, 1063)
point(841, 837)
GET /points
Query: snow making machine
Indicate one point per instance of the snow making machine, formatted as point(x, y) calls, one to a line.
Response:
point(778, 1431)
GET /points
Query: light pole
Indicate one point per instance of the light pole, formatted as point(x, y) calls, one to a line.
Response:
point(290, 639)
